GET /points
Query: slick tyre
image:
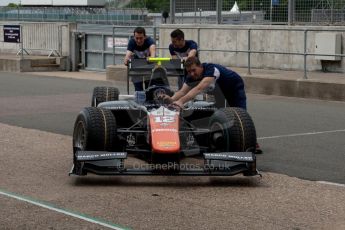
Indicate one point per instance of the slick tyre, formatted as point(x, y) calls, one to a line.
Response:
point(103, 93)
point(233, 130)
point(94, 129)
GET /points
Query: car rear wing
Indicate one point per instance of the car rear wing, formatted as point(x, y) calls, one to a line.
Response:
point(144, 67)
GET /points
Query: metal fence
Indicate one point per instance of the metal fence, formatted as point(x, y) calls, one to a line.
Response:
point(39, 38)
point(316, 12)
point(106, 46)
point(100, 49)
point(112, 16)
point(292, 12)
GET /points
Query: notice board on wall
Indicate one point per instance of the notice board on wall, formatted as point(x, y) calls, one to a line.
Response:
point(12, 33)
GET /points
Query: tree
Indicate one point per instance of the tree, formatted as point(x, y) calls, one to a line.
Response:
point(279, 10)
point(152, 5)
point(12, 5)
point(158, 5)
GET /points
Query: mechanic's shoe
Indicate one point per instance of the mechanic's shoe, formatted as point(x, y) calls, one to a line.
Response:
point(258, 149)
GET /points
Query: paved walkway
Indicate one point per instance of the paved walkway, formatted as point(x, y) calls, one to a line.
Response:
point(294, 75)
point(261, 73)
point(87, 75)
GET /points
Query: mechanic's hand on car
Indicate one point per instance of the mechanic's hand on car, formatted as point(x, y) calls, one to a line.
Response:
point(125, 62)
point(178, 104)
point(165, 98)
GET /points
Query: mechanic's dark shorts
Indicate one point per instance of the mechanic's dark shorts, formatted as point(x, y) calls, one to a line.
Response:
point(138, 82)
point(225, 99)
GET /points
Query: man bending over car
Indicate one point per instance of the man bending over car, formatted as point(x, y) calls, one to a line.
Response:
point(227, 86)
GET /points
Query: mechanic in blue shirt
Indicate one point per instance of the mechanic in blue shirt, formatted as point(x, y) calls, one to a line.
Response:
point(227, 86)
point(140, 46)
point(182, 49)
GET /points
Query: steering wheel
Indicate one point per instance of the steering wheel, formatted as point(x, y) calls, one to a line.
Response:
point(154, 92)
point(174, 107)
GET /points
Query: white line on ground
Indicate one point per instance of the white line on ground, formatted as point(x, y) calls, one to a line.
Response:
point(331, 183)
point(59, 210)
point(301, 134)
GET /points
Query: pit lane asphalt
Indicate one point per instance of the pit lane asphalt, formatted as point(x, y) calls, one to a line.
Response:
point(36, 163)
point(285, 126)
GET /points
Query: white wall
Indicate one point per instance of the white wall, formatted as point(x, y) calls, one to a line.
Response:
point(40, 38)
point(210, 37)
point(235, 37)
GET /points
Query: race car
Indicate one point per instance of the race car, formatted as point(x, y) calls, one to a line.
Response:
point(167, 140)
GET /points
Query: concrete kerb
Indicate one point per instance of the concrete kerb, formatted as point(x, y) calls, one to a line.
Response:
point(303, 88)
point(14, 63)
point(116, 73)
point(318, 85)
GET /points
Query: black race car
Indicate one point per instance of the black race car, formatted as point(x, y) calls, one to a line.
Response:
point(196, 140)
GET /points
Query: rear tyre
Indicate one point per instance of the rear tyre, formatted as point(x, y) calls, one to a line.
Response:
point(103, 93)
point(232, 130)
point(94, 130)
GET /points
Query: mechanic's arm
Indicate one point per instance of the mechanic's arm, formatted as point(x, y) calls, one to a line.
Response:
point(177, 95)
point(183, 91)
point(192, 53)
point(206, 82)
point(152, 50)
point(127, 57)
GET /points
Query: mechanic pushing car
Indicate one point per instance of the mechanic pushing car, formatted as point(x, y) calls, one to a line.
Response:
point(226, 85)
point(182, 49)
point(140, 46)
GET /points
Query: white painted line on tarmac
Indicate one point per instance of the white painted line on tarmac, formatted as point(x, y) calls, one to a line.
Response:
point(59, 210)
point(301, 134)
point(331, 183)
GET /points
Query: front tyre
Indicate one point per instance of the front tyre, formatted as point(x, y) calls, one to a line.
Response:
point(232, 130)
point(94, 130)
